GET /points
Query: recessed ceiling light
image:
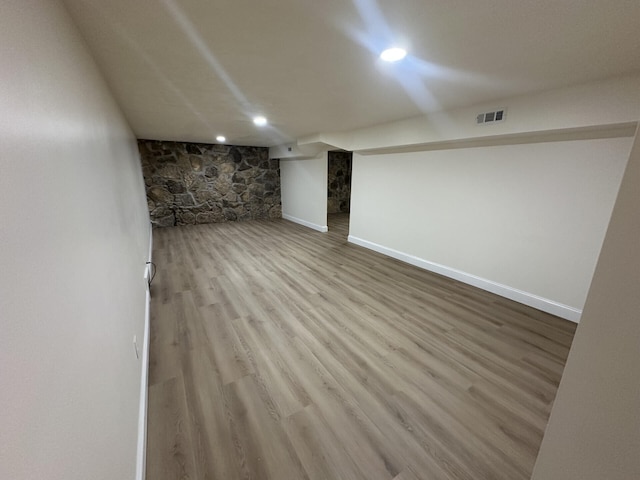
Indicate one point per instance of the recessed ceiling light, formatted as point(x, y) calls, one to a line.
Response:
point(393, 54)
point(260, 121)
point(220, 138)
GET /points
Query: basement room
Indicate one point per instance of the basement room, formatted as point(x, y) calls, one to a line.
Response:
point(337, 240)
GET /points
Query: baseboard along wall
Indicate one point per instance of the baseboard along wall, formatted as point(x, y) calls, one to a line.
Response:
point(320, 228)
point(546, 305)
point(144, 377)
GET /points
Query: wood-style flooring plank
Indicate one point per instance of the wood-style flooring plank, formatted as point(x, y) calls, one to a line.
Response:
point(169, 445)
point(278, 352)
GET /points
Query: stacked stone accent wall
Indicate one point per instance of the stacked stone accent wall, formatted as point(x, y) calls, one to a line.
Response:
point(191, 183)
point(339, 183)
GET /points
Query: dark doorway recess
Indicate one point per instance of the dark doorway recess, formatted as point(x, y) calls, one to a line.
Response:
point(339, 182)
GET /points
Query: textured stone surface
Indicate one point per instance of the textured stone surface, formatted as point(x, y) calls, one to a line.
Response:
point(339, 183)
point(191, 183)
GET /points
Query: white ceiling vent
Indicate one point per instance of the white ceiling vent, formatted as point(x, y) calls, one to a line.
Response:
point(496, 116)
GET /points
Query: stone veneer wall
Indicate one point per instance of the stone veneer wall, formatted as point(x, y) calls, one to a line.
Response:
point(191, 183)
point(339, 183)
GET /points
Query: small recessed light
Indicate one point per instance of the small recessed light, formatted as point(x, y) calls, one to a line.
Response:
point(393, 54)
point(260, 121)
point(220, 138)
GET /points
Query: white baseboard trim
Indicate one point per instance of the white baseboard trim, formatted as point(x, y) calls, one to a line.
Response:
point(526, 298)
point(141, 454)
point(320, 228)
point(150, 254)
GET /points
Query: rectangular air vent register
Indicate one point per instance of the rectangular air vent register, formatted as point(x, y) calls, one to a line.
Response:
point(496, 116)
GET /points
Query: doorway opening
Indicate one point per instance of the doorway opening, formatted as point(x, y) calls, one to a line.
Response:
point(339, 190)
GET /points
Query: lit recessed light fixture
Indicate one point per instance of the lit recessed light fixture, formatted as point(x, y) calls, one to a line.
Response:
point(393, 54)
point(260, 121)
point(221, 139)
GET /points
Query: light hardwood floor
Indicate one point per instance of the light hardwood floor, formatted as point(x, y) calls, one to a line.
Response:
point(278, 352)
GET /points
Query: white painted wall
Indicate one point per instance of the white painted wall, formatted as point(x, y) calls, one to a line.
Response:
point(73, 246)
point(304, 191)
point(593, 432)
point(524, 221)
point(518, 208)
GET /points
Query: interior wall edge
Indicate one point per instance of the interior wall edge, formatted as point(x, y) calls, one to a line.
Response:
point(618, 130)
point(593, 431)
point(593, 107)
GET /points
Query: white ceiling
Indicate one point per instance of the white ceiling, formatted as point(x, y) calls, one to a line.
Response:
point(193, 69)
